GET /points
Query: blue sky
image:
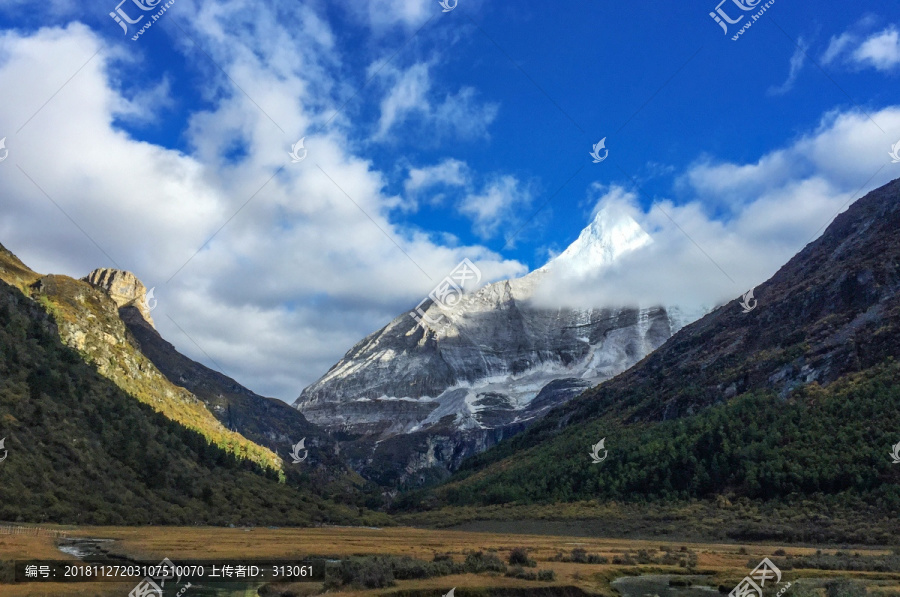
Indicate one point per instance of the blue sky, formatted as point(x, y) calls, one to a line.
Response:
point(431, 137)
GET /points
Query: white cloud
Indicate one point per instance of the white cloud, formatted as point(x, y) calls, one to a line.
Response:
point(382, 15)
point(880, 50)
point(798, 58)
point(290, 279)
point(767, 212)
point(146, 104)
point(450, 172)
point(301, 272)
point(412, 100)
point(495, 205)
point(408, 94)
point(837, 46)
point(462, 114)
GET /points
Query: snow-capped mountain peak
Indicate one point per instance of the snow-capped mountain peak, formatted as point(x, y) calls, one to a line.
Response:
point(611, 234)
point(495, 361)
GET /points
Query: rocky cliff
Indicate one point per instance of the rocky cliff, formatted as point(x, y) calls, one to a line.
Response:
point(124, 289)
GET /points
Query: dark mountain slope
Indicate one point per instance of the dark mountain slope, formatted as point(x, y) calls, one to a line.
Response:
point(832, 309)
point(781, 426)
point(81, 450)
point(266, 421)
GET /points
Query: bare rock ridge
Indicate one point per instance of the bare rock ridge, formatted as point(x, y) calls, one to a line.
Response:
point(123, 288)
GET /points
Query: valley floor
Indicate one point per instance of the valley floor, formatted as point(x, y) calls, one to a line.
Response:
point(722, 565)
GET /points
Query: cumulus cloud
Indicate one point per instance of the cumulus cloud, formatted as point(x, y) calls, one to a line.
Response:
point(383, 15)
point(412, 100)
point(448, 172)
point(879, 50)
point(272, 268)
point(496, 205)
point(275, 268)
point(703, 255)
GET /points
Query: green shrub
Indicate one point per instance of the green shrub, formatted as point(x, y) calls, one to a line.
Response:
point(370, 573)
point(519, 572)
point(844, 588)
point(480, 562)
point(519, 557)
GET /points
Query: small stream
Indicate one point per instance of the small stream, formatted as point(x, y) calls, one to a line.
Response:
point(657, 585)
point(84, 548)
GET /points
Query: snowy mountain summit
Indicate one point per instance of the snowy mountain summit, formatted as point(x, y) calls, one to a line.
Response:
point(610, 235)
point(495, 363)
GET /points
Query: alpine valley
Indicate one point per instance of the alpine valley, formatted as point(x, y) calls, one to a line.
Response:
point(771, 424)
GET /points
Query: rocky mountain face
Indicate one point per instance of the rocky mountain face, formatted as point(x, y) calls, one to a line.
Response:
point(123, 288)
point(415, 399)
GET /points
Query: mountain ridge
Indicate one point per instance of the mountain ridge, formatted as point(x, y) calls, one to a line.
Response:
point(87, 320)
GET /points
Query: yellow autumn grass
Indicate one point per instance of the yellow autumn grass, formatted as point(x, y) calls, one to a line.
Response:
point(723, 561)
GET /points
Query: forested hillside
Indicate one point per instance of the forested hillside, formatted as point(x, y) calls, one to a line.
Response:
point(81, 450)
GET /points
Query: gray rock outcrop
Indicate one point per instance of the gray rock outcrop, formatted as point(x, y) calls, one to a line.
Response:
point(124, 289)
